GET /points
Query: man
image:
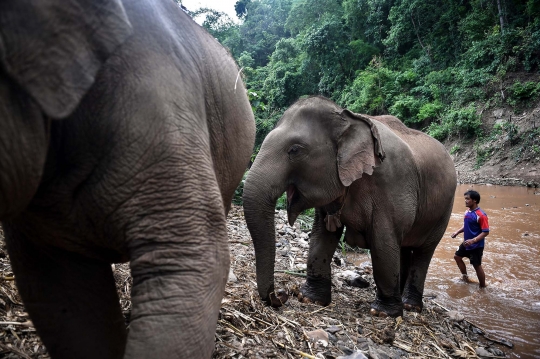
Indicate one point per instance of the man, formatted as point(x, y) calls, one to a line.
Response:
point(475, 229)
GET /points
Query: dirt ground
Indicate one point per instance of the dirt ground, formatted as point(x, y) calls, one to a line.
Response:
point(249, 329)
point(507, 154)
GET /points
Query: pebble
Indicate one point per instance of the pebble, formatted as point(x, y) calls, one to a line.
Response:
point(232, 277)
point(358, 282)
point(482, 352)
point(318, 336)
point(355, 355)
point(455, 316)
point(333, 329)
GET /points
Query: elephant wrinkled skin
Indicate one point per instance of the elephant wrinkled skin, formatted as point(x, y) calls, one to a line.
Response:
point(124, 131)
point(390, 187)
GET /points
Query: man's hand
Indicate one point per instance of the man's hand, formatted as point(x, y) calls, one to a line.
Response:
point(453, 235)
point(468, 242)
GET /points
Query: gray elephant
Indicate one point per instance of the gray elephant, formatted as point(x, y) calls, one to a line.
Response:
point(124, 131)
point(391, 187)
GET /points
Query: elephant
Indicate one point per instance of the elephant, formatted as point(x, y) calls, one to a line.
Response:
point(125, 130)
point(388, 187)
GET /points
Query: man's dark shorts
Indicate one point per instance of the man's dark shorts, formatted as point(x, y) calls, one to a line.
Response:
point(474, 255)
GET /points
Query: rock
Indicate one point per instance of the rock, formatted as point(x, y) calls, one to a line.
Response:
point(360, 330)
point(475, 330)
point(348, 275)
point(318, 336)
point(455, 316)
point(383, 352)
point(388, 335)
point(482, 352)
point(496, 351)
point(332, 338)
point(507, 343)
point(355, 355)
point(362, 344)
point(358, 282)
point(283, 252)
point(333, 329)
point(345, 350)
point(374, 353)
point(232, 277)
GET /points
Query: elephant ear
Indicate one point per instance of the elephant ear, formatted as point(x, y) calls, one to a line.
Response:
point(54, 49)
point(359, 147)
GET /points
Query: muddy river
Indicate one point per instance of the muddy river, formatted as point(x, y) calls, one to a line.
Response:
point(509, 307)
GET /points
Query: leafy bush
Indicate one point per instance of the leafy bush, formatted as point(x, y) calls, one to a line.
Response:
point(482, 155)
point(431, 110)
point(455, 149)
point(406, 108)
point(239, 191)
point(282, 201)
point(519, 92)
point(462, 121)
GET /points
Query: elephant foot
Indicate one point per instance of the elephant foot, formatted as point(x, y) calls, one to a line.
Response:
point(386, 308)
point(412, 308)
point(278, 298)
point(412, 300)
point(306, 300)
point(376, 313)
point(317, 291)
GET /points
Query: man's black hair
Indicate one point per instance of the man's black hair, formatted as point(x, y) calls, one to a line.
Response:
point(473, 195)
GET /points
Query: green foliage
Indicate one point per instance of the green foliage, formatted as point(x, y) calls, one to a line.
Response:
point(455, 149)
point(239, 191)
point(519, 93)
point(282, 202)
point(428, 62)
point(430, 110)
point(482, 155)
point(463, 122)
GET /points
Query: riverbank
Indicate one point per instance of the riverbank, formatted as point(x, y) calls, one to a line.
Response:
point(508, 151)
point(249, 329)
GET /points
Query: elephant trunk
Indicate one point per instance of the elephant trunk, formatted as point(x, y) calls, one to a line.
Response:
point(23, 149)
point(260, 195)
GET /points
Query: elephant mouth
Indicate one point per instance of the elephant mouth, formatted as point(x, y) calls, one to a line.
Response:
point(293, 196)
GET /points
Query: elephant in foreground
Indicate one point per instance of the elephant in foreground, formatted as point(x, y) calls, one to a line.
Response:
point(391, 187)
point(124, 131)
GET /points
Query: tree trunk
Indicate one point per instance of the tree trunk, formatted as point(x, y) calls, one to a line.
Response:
point(501, 18)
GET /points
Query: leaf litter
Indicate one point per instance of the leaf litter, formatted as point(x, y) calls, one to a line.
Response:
point(247, 328)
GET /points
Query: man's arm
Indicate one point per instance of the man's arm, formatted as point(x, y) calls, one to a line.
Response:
point(476, 239)
point(453, 235)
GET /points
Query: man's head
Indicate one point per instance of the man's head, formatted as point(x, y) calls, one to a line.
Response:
point(472, 199)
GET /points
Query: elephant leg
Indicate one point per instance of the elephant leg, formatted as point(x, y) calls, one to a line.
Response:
point(385, 256)
point(414, 287)
point(405, 264)
point(71, 299)
point(179, 263)
point(323, 244)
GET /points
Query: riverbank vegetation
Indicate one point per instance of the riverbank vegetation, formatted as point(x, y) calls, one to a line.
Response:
point(437, 65)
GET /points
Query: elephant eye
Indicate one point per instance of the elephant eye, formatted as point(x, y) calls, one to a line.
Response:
point(294, 150)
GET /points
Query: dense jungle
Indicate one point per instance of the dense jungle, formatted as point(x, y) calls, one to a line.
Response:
point(465, 72)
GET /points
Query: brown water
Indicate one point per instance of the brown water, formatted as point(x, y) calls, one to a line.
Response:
point(509, 307)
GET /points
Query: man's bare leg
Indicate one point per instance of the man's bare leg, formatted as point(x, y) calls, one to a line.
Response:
point(480, 274)
point(462, 267)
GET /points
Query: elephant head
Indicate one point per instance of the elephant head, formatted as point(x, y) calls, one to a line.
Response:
point(50, 54)
point(315, 152)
